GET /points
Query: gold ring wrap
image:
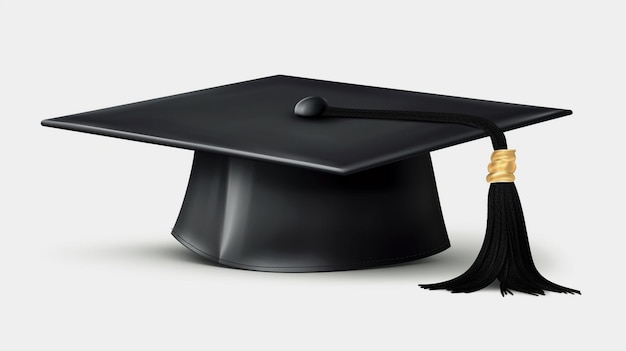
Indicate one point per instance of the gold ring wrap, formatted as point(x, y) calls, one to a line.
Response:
point(502, 166)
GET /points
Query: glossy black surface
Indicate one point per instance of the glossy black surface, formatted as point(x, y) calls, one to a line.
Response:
point(273, 191)
point(263, 216)
point(256, 120)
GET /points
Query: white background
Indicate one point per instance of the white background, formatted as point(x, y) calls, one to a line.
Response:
point(87, 261)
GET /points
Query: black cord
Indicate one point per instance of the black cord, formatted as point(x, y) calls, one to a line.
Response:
point(498, 140)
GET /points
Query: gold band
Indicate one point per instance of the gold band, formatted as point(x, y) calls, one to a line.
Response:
point(502, 166)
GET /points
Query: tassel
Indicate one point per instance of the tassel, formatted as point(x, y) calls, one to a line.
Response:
point(505, 253)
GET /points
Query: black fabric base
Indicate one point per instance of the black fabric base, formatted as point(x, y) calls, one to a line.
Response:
point(269, 217)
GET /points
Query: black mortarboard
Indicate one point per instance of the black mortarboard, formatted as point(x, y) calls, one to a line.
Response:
point(321, 188)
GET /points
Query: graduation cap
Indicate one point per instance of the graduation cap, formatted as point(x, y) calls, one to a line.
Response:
point(301, 175)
